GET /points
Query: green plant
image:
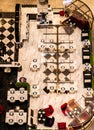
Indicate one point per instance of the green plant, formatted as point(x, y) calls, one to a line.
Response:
point(90, 35)
point(93, 82)
point(23, 84)
point(92, 59)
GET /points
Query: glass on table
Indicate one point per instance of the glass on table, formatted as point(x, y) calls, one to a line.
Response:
point(34, 66)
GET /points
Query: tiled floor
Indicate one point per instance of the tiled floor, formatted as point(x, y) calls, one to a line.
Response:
point(7, 38)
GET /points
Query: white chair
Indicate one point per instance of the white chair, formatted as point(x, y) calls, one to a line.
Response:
point(35, 94)
point(51, 48)
point(42, 48)
point(11, 121)
point(61, 48)
point(17, 108)
point(11, 112)
point(35, 87)
point(52, 89)
point(71, 49)
point(21, 90)
point(21, 112)
point(21, 99)
point(12, 91)
point(12, 99)
point(61, 67)
point(51, 68)
point(20, 121)
point(42, 40)
point(72, 90)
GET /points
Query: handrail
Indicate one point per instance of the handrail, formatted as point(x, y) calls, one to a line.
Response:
point(82, 11)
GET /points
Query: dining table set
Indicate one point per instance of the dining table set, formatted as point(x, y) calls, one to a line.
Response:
point(35, 91)
point(18, 117)
point(20, 95)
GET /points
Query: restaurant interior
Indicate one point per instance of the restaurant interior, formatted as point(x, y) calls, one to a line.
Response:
point(46, 66)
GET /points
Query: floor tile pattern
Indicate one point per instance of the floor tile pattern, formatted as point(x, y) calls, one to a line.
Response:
point(63, 76)
point(7, 39)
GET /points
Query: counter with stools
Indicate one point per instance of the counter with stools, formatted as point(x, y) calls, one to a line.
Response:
point(14, 95)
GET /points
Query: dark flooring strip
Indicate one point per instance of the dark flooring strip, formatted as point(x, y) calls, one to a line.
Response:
point(7, 14)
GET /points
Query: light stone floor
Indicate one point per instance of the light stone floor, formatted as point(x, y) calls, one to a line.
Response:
point(30, 51)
